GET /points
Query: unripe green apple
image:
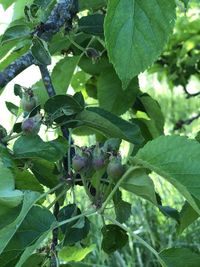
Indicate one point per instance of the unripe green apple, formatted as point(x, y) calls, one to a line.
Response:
point(98, 158)
point(115, 169)
point(78, 163)
point(31, 126)
point(28, 102)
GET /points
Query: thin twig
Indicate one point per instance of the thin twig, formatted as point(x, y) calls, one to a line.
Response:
point(62, 15)
point(110, 196)
point(189, 95)
point(179, 124)
point(54, 237)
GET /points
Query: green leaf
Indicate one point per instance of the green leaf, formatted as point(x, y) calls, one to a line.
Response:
point(66, 213)
point(91, 87)
point(180, 257)
point(114, 238)
point(187, 216)
point(27, 252)
point(60, 105)
point(45, 172)
point(122, 211)
point(148, 128)
point(6, 48)
point(92, 24)
point(3, 134)
point(176, 158)
point(15, 32)
point(9, 216)
point(79, 80)
point(19, 9)
point(198, 137)
point(7, 180)
point(91, 4)
point(78, 96)
point(110, 94)
point(152, 108)
point(40, 51)
point(6, 156)
point(136, 32)
point(18, 91)
point(140, 184)
point(94, 68)
point(19, 49)
point(75, 253)
point(76, 230)
point(7, 232)
point(12, 108)
point(49, 225)
point(35, 147)
point(28, 232)
point(63, 72)
point(34, 260)
point(9, 197)
point(40, 92)
point(109, 125)
point(122, 208)
point(24, 180)
point(59, 43)
point(6, 3)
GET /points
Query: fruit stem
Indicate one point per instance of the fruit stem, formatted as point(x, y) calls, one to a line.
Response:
point(142, 241)
point(87, 213)
point(110, 196)
point(108, 188)
point(86, 188)
point(69, 152)
point(63, 192)
point(9, 138)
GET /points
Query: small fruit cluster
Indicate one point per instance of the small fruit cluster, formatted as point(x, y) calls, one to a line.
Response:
point(30, 125)
point(106, 158)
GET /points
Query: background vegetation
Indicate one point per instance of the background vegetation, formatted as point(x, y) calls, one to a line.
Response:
point(172, 80)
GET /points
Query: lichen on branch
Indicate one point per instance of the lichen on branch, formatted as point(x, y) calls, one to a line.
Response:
point(61, 15)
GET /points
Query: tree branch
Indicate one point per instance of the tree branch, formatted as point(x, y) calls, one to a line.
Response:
point(179, 124)
point(189, 94)
point(47, 80)
point(51, 92)
point(15, 68)
point(54, 237)
point(62, 15)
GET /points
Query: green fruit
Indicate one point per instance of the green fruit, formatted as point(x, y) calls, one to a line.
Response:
point(115, 169)
point(78, 163)
point(98, 163)
point(98, 158)
point(31, 126)
point(28, 102)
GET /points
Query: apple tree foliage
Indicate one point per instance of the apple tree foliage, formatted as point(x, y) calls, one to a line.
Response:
point(100, 47)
